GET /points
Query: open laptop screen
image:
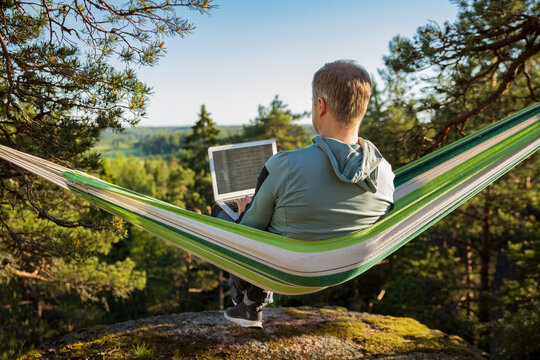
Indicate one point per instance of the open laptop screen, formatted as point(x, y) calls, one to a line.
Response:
point(237, 169)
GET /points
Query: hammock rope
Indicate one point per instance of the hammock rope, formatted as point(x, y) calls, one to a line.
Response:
point(426, 190)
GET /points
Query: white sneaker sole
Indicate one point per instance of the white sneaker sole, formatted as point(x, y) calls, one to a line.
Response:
point(244, 322)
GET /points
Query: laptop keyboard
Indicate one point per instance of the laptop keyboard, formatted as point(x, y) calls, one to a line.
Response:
point(232, 204)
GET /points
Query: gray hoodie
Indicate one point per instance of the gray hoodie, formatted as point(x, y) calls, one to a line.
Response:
point(324, 190)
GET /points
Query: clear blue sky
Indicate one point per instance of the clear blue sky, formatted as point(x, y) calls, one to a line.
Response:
point(246, 52)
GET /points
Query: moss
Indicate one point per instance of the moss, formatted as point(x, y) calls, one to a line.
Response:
point(376, 334)
point(112, 346)
point(400, 326)
point(306, 312)
point(405, 335)
point(32, 355)
point(333, 310)
point(344, 328)
point(109, 346)
point(298, 313)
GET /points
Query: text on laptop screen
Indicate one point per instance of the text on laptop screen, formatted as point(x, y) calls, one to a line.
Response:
point(238, 169)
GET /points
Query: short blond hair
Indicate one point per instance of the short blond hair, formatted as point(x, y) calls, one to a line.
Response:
point(345, 86)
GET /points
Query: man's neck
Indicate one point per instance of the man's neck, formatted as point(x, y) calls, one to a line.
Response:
point(344, 134)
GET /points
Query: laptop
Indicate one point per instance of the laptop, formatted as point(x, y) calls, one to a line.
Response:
point(235, 168)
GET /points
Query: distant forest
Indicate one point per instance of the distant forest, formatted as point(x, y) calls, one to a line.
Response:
point(144, 142)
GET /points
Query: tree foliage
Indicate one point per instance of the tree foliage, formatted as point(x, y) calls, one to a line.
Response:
point(172, 274)
point(277, 122)
point(464, 275)
point(390, 115)
point(464, 68)
point(163, 144)
point(203, 135)
point(58, 92)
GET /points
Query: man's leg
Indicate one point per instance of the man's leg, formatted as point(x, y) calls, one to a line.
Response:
point(241, 288)
point(238, 288)
point(248, 299)
point(249, 302)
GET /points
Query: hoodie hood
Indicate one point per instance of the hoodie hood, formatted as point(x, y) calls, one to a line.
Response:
point(352, 163)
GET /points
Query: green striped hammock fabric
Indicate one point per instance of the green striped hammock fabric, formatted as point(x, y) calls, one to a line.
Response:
point(426, 190)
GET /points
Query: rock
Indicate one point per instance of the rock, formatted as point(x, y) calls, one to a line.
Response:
point(289, 333)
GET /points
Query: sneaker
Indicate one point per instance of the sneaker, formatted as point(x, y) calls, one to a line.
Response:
point(245, 315)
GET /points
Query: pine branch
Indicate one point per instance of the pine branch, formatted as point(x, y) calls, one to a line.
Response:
point(507, 79)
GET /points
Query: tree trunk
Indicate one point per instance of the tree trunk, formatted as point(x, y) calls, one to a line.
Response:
point(221, 294)
point(39, 312)
point(504, 269)
point(188, 282)
point(469, 280)
point(485, 257)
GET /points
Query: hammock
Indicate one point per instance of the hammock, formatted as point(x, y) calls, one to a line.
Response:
point(426, 190)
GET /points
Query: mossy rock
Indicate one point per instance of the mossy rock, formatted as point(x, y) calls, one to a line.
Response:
point(289, 333)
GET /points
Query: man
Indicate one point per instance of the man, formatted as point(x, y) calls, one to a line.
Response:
point(336, 186)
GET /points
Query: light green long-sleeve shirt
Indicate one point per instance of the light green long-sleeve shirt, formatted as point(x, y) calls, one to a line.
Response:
point(324, 190)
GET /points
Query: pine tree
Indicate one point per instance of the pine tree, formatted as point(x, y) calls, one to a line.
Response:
point(277, 122)
point(58, 92)
point(203, 135)
point(461, 77)
point(463, 69)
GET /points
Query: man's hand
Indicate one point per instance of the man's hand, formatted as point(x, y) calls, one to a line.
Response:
point(242, 203)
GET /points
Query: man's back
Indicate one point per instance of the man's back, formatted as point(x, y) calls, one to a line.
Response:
point(325, 190)
point(331, 188)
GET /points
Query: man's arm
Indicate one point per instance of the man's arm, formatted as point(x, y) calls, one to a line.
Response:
point(270, 185)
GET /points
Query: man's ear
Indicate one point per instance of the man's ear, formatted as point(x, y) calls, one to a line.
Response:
point(321, 106)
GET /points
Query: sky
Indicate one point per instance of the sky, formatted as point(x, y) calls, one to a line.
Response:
point(248, 51)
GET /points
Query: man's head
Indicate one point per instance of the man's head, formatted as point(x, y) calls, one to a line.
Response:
point(345, 87)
